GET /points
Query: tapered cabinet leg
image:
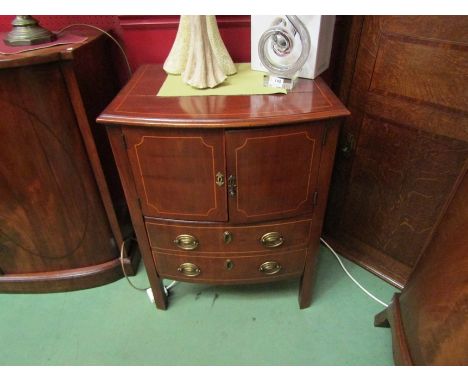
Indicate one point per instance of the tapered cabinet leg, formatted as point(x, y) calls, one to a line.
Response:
point(160, 297)
point(307, 281)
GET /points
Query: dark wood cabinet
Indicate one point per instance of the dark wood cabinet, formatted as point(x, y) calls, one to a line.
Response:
point(429, 318)
point(62, 211)
point(225, 189)
point(403, 149)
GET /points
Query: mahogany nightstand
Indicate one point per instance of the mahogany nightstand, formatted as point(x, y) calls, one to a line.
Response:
point(225, 189)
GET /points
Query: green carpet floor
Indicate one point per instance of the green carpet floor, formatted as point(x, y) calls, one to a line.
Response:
point(204, 325)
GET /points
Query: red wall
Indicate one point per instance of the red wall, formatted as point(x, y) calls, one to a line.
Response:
point(148, 39)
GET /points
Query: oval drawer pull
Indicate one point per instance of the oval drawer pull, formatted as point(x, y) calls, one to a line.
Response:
point(189, 269)
point(272, 240)
point(186, 242)
point(270, 268)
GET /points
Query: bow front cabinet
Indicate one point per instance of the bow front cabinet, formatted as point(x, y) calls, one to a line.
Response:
point(225, 189)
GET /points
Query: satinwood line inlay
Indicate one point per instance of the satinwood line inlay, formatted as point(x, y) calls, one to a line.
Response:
point(308, 181)
point(211, 147)
point(230, 228)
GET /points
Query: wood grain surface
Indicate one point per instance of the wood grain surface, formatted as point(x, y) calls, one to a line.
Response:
point(137, 105)
point(428, 319)
point(406, 142)
point(60, 221)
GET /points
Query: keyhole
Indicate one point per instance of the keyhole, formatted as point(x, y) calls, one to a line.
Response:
point(229, 265)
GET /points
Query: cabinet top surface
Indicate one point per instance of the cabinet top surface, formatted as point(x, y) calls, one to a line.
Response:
point(137, 104)
point(45, 55)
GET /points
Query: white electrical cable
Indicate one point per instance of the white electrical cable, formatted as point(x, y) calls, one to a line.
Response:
point(171, 285)
point(122, 246)
point(107, 34)
point(122, 251)
point(350, 276)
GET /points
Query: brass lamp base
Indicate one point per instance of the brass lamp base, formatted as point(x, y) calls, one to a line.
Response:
point(27, 31)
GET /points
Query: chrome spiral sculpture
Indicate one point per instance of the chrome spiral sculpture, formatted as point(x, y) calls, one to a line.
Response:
point(278, 49)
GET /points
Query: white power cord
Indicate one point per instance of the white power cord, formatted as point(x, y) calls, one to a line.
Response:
point(350, 276)
point(71, 26)
point(168, 287)
point(148, 290)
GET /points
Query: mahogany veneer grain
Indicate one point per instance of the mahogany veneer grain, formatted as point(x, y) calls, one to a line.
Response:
point(62, 215)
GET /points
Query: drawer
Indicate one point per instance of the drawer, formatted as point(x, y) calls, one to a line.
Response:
point(230, 269)
point(224, 238)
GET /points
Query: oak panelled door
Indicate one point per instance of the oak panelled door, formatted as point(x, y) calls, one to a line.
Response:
point(275, 172)
point(407, 140)
point(176, 171)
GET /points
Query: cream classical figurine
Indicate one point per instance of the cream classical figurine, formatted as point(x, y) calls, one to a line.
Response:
point(199, 54)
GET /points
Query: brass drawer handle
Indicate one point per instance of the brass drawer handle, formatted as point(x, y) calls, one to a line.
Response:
point(272, 240)
point(270, 268)
point(189, 269)
point(186, 242)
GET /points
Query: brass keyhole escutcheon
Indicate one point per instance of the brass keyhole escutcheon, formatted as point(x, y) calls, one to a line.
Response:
point(270, 268)
point(186, 242)
point(227, 237)
point(189, 269)
point(229, 264)
point(220, 179)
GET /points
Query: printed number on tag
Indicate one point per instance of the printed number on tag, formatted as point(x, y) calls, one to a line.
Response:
point(275, 82)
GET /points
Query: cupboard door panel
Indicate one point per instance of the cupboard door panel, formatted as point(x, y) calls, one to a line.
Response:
point(176, 173)
point(405, 144)
point(275, 171)
point(399, 190)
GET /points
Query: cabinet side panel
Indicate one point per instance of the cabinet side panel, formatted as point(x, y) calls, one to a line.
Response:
point(51, 216)
point(96, 76)
point(434, 304)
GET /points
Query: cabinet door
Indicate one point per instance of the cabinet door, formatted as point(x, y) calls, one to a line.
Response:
point(275, 171)
point(176, 173)
point(407, 140)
